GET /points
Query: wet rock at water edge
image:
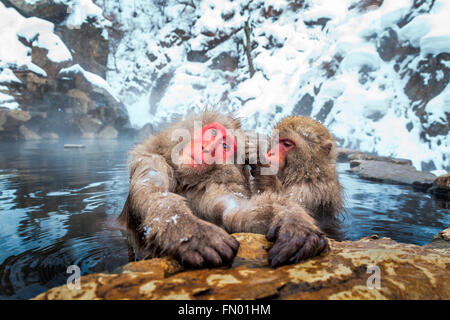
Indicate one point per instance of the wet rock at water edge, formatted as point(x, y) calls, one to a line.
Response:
point(441, 187)
point(409, 272)
point(389, 172)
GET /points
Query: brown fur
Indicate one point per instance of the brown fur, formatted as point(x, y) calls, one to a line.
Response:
point(309, 175)
point(178, 211)
point(170, 208)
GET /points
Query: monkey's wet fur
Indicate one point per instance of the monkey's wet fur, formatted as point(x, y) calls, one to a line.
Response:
point(188, 211)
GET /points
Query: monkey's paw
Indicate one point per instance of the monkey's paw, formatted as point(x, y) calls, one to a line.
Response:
point(210, 246)
point(294, 242)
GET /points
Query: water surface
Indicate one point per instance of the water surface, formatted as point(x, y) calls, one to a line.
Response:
point(58, 208)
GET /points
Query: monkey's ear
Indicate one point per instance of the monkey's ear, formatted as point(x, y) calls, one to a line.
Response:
point(328, 148)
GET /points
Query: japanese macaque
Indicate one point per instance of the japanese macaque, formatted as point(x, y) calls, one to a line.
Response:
point(188, 193)
point(305, 156)
point(181, 186)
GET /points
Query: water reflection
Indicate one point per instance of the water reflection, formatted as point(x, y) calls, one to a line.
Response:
point(58, 207)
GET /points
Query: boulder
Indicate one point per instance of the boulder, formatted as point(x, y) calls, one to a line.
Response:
point(441, 241)
point(89, 126)
point(364, 156)
point(225, 61)
point(53, 10)
point(89, 46)
point(11, 120)
point(347, 271)
point(79, 101)
point(441, 187)
point(40, 57)
point(343, 154)
point(389, 172)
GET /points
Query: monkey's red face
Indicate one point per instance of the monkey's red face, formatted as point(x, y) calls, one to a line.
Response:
point(216, 146)
point(277, 155)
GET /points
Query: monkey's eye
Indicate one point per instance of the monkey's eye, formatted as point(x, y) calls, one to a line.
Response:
point(225, 147)
point(287, 143)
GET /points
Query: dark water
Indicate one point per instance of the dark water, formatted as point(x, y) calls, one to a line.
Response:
point(58, 208)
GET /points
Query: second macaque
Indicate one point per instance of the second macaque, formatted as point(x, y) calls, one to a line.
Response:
point(305, 158)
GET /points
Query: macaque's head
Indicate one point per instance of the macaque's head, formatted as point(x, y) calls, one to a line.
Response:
point(305, 145)
point(212, 142)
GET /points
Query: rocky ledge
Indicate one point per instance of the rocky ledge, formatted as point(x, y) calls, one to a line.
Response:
point(396, 171)
point(348, 271)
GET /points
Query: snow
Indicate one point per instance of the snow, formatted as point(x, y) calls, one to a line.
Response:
point(81, 10)
point(37, 32)
point(98, 83)
point(7, 76)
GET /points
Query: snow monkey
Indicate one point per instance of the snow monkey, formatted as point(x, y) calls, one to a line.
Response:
point(186, 196)
point(306, 158)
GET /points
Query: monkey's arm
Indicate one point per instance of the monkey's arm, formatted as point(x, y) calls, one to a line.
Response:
point(282, 219)
point(161, 221)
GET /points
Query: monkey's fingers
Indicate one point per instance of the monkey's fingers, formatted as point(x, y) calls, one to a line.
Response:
point(227, 251)
point(314, 245)
point(281, 253)
point(272, 234)
point(190, 259)
point(211, 257)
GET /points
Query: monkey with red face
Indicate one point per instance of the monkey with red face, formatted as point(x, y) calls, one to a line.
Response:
point(180, 188)
point(306, 158)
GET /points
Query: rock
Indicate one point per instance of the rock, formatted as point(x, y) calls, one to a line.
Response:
point(107, 108)
point(363, 156)
point(108, 133)
point(225, 61)
point(389, 172)
point(366, 5)
point(80, 101)
point(343, 154)
point(89, 126)
point(39, 56)
point(159, 89)
point(28, 134)
point(89, 47)
point(441, 241)
point(428, 79)
point(11, 120)
point(406, 272)
point(387, 45)
point(441, 187)
point(54, 11)
point(304, 106)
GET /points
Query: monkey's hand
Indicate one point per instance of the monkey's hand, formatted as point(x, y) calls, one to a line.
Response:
point(296, 238)
point(207, 246)
point(190, 240)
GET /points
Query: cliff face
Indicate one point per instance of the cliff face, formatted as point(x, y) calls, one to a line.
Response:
point(52, 69)
point(369, 268)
